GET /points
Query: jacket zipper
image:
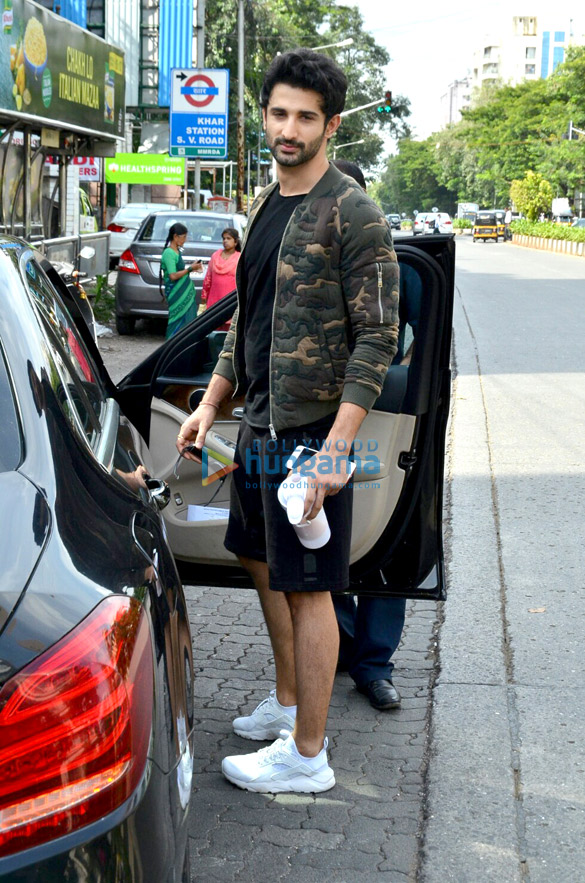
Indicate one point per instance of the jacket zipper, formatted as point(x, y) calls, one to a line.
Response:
point(380, 284)
point(273, 435)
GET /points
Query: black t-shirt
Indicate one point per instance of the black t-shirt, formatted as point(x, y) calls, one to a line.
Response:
point(260, 258)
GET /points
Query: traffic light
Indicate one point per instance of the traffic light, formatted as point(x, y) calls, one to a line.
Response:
point(387, 106)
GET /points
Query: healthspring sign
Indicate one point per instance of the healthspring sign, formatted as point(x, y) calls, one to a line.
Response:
point(144, 168)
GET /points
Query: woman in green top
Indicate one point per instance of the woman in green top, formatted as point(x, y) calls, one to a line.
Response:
point(179, 289)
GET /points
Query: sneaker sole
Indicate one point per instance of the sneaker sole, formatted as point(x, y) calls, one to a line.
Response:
point(299, 786)
point(257, 736)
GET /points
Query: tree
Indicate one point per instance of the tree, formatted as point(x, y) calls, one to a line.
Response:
point(532, 195)
point(410, 181)
point(273, 26)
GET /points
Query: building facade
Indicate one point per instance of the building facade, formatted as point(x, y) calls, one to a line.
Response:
point(456, 99)
point(521, 47)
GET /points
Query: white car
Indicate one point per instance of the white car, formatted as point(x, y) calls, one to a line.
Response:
point(418, 225)
point(438, 222)
point(128, 219)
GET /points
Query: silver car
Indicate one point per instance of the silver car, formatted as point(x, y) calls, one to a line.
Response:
point(127, 221)
point(138, 289)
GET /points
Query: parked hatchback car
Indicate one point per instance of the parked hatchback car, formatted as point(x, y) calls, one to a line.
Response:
point(418, 225)
point(438, 222)
point(96, 670)
point(138, 292)
point(126, 222)
point(394, 221)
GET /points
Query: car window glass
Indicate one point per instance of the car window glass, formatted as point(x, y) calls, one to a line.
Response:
point(199, 229)
point(82, 397)
point(410, 301)
point(10, 440)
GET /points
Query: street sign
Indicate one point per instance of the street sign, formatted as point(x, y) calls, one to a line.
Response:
point(144, 168)
point(199, 112)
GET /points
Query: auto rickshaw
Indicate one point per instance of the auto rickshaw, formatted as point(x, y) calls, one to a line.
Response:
point(485, 226)
point(500, 218)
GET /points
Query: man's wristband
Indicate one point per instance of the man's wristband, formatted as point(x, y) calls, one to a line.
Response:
point(211, 405)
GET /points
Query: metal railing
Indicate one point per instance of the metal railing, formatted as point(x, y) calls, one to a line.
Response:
point(67, 249)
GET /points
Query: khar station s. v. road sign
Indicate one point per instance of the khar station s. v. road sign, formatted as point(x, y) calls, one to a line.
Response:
point(199, 112)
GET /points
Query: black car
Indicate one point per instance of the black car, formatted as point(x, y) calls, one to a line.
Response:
point(94, 777)
point(394, 221)
point(96, 669)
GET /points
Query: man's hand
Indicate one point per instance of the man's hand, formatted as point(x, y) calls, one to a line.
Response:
point(327, 473)
point(194, 428)
point(331, 466)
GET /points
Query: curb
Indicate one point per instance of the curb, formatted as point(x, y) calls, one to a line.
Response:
point(560, 246)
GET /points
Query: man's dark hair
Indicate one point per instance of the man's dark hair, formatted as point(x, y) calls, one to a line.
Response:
point(305, 69)
point(352, 169)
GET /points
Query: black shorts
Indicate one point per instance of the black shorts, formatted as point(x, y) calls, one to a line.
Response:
point(258, 526)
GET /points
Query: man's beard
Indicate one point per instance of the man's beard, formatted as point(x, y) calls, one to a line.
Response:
point(305, 152)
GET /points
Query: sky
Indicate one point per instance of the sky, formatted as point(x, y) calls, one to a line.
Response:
point(431, 44)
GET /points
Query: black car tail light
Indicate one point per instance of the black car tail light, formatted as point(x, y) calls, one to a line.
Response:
point(75, 727)
point(127, 262)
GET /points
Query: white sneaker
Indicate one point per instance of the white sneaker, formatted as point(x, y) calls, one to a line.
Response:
point(267, 721)
point(278, 768)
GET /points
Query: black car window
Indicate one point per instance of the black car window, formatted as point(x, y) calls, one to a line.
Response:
point(10, 439)
point(199, 228)
point(78, 387)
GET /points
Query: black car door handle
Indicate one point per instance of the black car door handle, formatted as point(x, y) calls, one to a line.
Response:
point(160, 492)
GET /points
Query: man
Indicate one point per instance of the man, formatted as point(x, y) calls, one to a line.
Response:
point(310, 343)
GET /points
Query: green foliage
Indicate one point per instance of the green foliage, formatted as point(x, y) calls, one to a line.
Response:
point(273, 26)
point(410, 182)
point(462, 224)
point(104, 301)
point(508, 131)
point(532, 195)
point(548, 230)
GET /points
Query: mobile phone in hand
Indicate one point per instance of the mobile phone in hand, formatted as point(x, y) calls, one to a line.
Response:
point(193, 449)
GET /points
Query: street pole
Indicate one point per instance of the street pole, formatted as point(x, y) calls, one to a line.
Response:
point(259, 149)
point(200, 64)
point(347, 144)
point(240, 115)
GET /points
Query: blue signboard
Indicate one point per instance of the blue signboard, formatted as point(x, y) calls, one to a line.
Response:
point(199, 113)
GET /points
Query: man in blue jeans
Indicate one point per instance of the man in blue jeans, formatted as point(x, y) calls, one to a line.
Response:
point(370, 628)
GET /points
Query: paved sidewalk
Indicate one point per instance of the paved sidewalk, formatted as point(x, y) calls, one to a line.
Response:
point(368, 826)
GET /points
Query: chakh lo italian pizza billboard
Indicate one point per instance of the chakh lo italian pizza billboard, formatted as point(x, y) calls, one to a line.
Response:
point(54, 73)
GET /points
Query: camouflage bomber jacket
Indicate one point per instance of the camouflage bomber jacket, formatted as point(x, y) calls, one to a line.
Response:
point(335, 317)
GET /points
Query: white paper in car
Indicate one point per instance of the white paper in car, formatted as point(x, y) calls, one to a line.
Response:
point(205, 513)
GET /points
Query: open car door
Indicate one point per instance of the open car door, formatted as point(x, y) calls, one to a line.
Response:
point(396, 546)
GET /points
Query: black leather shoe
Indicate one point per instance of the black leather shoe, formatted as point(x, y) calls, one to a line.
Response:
point(382, 694)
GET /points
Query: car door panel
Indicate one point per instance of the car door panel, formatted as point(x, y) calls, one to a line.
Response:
point(191, 541)
point(397, 536)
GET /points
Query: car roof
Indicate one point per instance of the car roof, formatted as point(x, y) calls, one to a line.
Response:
point(186, 213)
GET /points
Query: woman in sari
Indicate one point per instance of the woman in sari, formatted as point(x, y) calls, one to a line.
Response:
point(179, 289)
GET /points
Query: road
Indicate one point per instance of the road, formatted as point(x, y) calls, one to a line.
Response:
point(506, 786)
point(481, 775)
